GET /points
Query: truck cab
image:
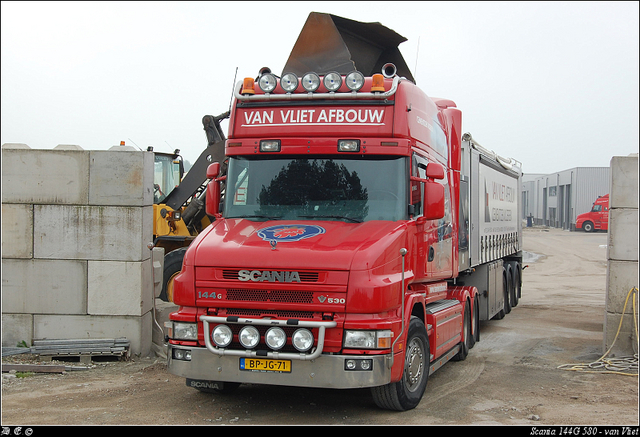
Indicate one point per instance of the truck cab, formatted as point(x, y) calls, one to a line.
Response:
point(597, 218)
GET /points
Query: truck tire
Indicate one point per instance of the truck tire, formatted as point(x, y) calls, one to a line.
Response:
point(587, 226)
point(465, 344)
point(406, 394)
point(476, 322)
point(172, 266)
point(517, 285)
point(507, 290)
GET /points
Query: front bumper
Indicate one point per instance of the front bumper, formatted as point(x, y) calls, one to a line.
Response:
point(325, 371)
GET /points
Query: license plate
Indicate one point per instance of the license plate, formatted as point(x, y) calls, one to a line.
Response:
point(265, 365)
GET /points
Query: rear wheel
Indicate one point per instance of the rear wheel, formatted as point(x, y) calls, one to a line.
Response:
point(407, 393)
point(465, 344)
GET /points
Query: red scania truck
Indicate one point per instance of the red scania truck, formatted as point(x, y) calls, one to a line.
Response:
point(359, 236)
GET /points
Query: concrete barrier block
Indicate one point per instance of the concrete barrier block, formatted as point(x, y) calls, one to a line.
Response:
point(623, 234)
point(17, 230)
point(44, 286)
point(622, 276)
point(16, 328)
point(620, 337)
point(121, 178)
point(15, 146)
point(624, 182)
point(44, 176)
point(136, 329)
point(92, 232)
point(120, 288)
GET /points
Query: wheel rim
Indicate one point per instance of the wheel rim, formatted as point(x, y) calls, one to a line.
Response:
point(414, 365)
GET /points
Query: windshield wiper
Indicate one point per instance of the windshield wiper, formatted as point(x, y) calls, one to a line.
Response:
point(338, 217)
point(247, 216)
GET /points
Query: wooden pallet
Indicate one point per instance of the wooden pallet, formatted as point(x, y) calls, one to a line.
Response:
point(83, 350)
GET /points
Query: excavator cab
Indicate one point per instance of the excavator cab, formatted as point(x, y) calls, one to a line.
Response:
point(167, 174)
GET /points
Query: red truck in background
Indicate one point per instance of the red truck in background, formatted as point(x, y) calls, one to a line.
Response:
point(359, 238)
point(597, 218)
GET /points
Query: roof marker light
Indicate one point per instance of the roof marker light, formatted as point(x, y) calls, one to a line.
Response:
point(377, 84)
point(332, 81)
point(310, 82)
point(348, 145)
point(248, 86)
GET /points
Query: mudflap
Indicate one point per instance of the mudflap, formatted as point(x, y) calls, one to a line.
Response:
point(200, 384)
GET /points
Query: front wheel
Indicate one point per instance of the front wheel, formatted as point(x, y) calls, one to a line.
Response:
point(407, 393)
point(587, 226)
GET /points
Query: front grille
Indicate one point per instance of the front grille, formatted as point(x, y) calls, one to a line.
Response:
point(275, 296)
point(280, 314)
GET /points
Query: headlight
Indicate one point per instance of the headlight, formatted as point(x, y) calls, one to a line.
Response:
point(354, 80)
point(184, 331)
point(310, 82)
point(275, 338)
point(302, 339)
point(267, 82)
point(249, 337)
point(222, 335)
point(368, 339)
point(332, 81)
point(289, 82)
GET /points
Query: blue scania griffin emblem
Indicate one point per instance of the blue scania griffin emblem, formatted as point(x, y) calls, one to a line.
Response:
point(289, 233)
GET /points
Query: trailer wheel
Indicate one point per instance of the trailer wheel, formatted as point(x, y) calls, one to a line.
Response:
point(517, 286)
point(587, 226)
point(507, 290)
point(172, 266)
point(465, 344)
point(476, 322)
point(407, 393)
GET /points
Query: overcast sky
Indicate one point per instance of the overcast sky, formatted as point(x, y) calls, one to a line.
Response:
point(553, 85)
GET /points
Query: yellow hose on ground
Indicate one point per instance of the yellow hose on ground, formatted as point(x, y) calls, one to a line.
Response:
point(627, 365)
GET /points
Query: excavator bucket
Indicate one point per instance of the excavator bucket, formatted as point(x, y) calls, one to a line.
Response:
point(331, 43)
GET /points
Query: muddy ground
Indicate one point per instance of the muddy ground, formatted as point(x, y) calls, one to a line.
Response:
point(510, 378)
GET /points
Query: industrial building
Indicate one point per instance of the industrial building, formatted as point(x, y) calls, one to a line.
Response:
point(556, 199)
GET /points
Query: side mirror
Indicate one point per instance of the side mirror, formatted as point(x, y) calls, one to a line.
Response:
point(212, 206)
point(213, 170)
point(435, 170)
point(433, 200)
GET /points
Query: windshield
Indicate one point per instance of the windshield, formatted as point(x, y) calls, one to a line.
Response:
point(319, 188)
point(166, 176)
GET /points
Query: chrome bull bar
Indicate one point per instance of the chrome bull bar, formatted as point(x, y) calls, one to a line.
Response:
point(247, 353)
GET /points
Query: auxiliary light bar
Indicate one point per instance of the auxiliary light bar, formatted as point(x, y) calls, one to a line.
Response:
point(310, 82)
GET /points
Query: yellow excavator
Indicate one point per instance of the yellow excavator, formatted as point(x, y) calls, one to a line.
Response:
point(179, 200)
